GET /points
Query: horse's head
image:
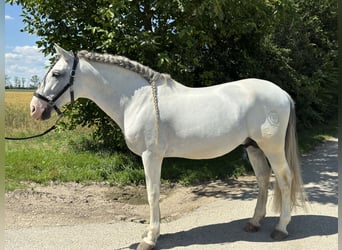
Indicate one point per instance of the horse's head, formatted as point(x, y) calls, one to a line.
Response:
point(52, 92)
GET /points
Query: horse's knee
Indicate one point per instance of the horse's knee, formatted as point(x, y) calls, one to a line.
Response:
point(153, 196)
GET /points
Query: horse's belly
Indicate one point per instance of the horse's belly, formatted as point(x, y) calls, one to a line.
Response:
point(199, 138)
point(202, 148)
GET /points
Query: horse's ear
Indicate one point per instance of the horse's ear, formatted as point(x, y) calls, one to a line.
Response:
point(63, 53)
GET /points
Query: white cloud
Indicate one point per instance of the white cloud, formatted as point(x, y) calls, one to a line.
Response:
point(24, 62)
point(7, 17)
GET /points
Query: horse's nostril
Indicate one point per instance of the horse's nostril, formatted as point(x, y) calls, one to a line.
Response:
point(33, 109)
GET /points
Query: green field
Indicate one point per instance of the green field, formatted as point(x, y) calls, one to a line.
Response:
point(70, 156)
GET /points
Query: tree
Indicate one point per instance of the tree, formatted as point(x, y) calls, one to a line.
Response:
point(23, 81)
point(34, 81)
point(201, 43)
point(8, 83)
point(17, 82)
point(308, 33)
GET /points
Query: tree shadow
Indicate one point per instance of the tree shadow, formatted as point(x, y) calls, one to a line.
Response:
point(301, 226)
point(229, 189)
point(320, 173)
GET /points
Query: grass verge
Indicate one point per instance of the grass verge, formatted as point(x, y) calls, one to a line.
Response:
point(310, 138)
point(55, 159)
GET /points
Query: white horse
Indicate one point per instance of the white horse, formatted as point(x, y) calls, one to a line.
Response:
point(163, 118)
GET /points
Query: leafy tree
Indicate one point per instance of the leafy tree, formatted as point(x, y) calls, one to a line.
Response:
point(8, 83)
point(308, 33)
point(201, 43)
point(34, 81)
point(17, 82)
point(23, 81)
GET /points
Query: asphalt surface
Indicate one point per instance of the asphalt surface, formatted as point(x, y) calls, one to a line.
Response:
point(218, 225)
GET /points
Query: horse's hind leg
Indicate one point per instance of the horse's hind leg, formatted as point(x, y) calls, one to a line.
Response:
point(262, 172)
point(283, 176)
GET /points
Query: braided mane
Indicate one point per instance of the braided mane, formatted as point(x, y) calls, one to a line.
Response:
point(146, 72)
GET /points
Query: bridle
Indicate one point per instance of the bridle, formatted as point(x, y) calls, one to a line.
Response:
point(52, 101)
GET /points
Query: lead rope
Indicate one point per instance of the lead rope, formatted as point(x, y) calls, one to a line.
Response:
point(35, 136)
point(156, 108)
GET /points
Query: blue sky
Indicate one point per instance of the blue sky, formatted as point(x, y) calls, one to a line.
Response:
point(22, 57)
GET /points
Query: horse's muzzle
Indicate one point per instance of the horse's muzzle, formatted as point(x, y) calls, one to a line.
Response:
point(46, 113)
point(39, 110)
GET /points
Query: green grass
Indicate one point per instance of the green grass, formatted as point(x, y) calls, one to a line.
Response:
point(57, 158)
point(308, 139)
point(52, 159)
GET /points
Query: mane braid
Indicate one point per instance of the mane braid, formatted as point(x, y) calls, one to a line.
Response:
point(147, 73)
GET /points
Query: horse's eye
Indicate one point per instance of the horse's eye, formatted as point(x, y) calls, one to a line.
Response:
point(56, 74)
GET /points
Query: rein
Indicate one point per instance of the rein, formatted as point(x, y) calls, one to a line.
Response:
point(35, 136)
point(52, 102)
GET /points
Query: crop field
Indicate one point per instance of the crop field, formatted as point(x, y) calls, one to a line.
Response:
point(17, 114)
point(17, 110)
point(19, 97)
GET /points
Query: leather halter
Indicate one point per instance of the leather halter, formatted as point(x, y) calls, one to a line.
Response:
point(52, 101)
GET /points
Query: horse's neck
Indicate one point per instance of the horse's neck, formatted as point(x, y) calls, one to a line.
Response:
point(111, 88)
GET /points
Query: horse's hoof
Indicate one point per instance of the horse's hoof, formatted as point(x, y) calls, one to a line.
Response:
point(278, 235)
point(251, 228)
point(144, 246)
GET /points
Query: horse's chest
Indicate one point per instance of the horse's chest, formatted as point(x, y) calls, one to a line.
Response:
point(139, 133)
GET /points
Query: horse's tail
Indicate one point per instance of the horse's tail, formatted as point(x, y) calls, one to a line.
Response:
point(298, 197)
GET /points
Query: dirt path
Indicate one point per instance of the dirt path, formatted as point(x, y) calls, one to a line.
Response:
point(72, 203)
point(209, 216)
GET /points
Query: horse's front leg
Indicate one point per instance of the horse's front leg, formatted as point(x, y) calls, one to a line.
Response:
point(152, 166)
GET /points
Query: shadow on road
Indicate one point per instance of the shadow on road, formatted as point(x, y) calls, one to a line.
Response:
point(320, 173)
point(301, 226)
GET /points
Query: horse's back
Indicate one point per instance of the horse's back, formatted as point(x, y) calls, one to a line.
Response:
point(264, 91)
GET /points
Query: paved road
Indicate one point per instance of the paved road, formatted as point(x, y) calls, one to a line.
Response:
point(217, 225)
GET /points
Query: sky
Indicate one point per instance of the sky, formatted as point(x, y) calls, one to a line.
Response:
point(23, 59)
